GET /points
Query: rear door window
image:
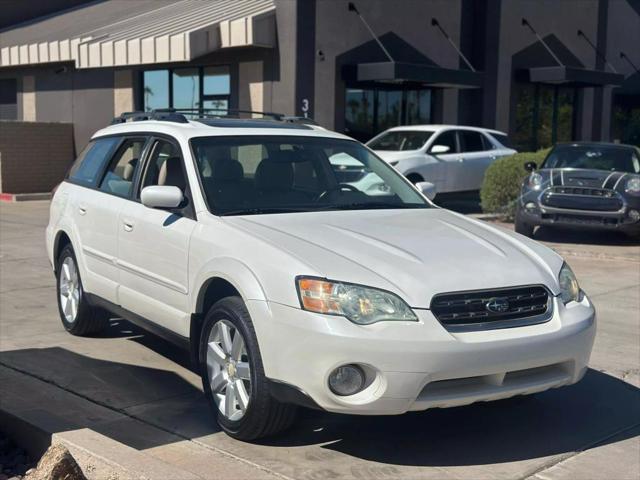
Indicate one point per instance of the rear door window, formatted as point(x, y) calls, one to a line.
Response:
point(91, 162)
point(119, 177)
point(471, 141)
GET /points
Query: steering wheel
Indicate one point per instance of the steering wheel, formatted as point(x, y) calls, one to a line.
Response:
point(337, 188)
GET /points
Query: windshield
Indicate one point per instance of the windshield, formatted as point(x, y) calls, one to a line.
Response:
point(244, 175)
point(399, 140)
point(598, 157)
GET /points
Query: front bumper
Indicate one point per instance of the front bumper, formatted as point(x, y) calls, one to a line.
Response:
point(579, 211)
point(419, 365)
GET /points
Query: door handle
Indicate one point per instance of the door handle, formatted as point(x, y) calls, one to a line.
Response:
point(461, 159)
point(82, 209)
point(128, 225)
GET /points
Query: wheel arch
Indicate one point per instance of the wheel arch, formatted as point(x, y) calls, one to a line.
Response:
point(62, 239)
point(230, 277)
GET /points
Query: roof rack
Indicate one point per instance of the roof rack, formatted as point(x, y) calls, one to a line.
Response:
point(182, 115)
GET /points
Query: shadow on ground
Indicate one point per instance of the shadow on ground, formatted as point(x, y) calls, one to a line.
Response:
point(555, 422)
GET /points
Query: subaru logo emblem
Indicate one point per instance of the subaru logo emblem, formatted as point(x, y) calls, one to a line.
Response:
point(497, 305)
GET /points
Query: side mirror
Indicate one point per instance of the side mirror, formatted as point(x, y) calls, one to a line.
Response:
point(161, 196)
point(438, 149)
point(530, 166)
point(428, 189)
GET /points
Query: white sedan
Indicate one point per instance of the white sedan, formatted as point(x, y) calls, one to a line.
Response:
point(452, 158)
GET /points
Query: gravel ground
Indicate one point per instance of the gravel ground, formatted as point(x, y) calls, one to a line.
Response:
point(14, 461)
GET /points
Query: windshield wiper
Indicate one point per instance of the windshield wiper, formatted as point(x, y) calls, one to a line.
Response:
point(263, 210)
point(372, 205)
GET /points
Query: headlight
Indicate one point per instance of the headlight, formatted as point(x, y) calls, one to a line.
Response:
point(569, 288)
point(361, 305)
point(633, 185)
point(535, 181)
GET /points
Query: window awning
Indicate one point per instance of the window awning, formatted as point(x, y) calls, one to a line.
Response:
point(574, 76)
point(136, 33)
point(415, 73)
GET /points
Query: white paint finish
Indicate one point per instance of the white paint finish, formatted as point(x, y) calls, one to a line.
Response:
point(162, 49)
point(120, 52)
point(106, 54)
point(5, 56)
point(43, 52)
point(449, 172)
point(196, 28)
point(95, 220)
point(154, 257)
point(54, 51)
point(161, 261)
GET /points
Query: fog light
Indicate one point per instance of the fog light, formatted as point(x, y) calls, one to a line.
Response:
point(346, 380)
point(634, 215)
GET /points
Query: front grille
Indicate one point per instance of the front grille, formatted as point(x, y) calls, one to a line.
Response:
point(491, 309)
point(580, 198)
point(592, 192)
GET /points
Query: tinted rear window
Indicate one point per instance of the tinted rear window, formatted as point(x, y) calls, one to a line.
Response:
point(91, 162)
point(471, 141)
point(503, 139)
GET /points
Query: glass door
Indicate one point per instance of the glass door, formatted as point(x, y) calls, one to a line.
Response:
point(371, 111)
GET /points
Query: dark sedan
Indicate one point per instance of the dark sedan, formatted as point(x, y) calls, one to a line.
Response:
point(591, 185)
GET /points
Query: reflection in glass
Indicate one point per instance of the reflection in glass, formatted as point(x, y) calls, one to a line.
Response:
point(359, 113)
point(418, 107)
point(389, 109)
point(186, 88)
point(156, 89)
point(216, 81)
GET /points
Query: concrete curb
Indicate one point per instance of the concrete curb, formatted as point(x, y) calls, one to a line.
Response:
point(98, 456)
point(24, 197)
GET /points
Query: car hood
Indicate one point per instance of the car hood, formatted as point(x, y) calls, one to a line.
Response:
point(415, 253)
point(588, 178)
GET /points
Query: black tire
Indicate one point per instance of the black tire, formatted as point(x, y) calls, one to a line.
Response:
point(88, 319)
point(522, 227)
point(264, 415)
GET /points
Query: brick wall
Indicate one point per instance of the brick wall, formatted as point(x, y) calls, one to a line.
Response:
point(34, 156)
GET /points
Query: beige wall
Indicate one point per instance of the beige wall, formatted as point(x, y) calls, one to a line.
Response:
point(251, 86)
point(122, 92)
point(34, 156)
point(29, 98)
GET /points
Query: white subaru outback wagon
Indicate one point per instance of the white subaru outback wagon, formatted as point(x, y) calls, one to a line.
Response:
point(244, 241)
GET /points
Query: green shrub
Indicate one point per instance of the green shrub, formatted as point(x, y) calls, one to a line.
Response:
point(502, 182)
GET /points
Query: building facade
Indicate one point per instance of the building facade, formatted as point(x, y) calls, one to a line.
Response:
point(541, 70)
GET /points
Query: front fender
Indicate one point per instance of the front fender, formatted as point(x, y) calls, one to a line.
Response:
point(233, 271)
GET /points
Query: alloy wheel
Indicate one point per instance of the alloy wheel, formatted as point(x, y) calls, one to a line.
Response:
point(229, 370)
point(69, 289)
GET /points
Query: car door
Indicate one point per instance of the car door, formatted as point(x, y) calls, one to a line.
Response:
point(447, 165)
point(153, 245)
point(477, 155)
point(96, 210)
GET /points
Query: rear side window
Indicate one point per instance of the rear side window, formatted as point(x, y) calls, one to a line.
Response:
point(503, 139)
point(119, 178)
point(471, 141)
point(87, 168)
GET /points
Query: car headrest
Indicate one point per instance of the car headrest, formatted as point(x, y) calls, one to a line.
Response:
point(227, 169)
point(273, 175)
point(129, 169)
point(171, 173)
